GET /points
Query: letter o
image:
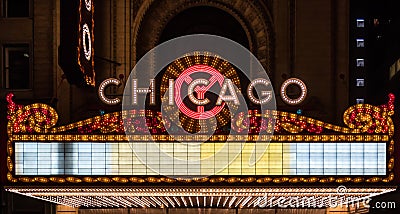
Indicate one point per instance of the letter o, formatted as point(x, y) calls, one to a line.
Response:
point(86, 50)
point(289, 100)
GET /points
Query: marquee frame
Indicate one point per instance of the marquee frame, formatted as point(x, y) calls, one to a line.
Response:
point(37, 122)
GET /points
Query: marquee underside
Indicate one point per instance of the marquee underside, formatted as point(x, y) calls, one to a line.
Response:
point(201, 197)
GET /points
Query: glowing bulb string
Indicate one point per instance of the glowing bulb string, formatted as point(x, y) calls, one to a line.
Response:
point(361, 118)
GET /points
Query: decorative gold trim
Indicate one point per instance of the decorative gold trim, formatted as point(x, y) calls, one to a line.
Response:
point(201, 138)
point(211, 180)
point(360, 119)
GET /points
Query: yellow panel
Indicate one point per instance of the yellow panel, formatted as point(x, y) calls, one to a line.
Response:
point(275, 148)
point(235, 171)
point(207, 150)
point(218, 146)
point(275, 171)
point(223, 172)
point(125, 147)
point(262, 171)
point(248, 171)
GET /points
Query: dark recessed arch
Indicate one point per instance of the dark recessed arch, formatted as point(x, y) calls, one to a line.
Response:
point(152, 17)
point(205, 20)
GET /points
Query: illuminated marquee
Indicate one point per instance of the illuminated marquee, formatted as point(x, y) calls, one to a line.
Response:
point(96, 150)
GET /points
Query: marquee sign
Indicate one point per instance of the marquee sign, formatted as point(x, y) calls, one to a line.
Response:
point(302, 150)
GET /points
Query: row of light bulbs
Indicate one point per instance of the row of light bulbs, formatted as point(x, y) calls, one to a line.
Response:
point(214, 138)
point(194, 201)
point(108, 191)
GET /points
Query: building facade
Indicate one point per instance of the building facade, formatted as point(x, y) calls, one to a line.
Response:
point(301, 39)
point(282, 37)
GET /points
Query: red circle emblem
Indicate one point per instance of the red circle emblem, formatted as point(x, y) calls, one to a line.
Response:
point(185, 77)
